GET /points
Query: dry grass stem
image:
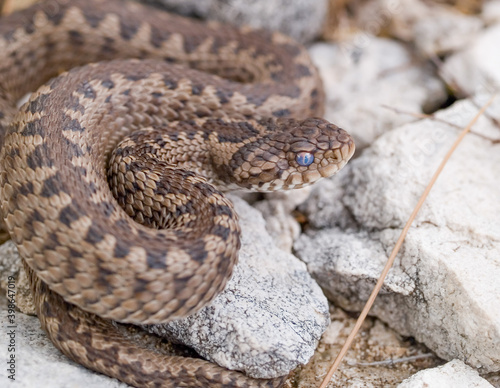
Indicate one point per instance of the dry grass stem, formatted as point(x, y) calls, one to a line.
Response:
point(397, 247)
point(432, 117)
point(392, 361)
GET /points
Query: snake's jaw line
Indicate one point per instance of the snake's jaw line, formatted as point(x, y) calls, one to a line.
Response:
point(293, 154)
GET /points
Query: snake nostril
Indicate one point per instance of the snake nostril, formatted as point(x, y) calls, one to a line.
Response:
point(304, 158)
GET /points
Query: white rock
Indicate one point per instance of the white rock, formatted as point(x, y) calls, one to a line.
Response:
point(432, 28)
point(280, 224)
point(277, 209)
point(444, 29)
point(366, 74)
point(301, 19)
point(491, 11)
point(9, 262)
point(267, 321)
point(454, 374)
point(444, 288)
point(477, 67)
point(269, 318)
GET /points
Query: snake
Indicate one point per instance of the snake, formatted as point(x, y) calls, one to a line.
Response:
point(113, 174)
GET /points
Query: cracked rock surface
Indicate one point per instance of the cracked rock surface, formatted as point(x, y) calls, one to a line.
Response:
point(444, 286)
point(269, 318)
point(267, 321)
point(454, 374)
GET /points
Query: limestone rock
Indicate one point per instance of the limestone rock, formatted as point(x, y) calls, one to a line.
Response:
point(367, 78)
point(454, 374)
point(277, 210)
point(269, 318)
point(267, 321)
point(444, 286)
point(10, 262)
point(477, 67)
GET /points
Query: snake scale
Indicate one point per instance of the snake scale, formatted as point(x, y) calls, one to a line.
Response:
point(109, 171)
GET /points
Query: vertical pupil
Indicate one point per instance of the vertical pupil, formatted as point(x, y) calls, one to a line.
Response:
point(304, 158)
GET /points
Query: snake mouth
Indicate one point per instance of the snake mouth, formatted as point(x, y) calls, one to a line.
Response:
point(336, 159)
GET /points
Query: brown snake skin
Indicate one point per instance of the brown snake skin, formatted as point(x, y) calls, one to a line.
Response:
point(161, 134)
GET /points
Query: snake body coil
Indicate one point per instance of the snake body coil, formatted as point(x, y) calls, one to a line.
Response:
point(203, 105)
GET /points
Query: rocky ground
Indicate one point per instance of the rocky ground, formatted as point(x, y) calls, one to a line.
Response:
point(403, 77)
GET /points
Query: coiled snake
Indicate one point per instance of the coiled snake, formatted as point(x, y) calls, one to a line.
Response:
point(162, 135)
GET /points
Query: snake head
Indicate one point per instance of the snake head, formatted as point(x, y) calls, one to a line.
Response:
point(291, 154)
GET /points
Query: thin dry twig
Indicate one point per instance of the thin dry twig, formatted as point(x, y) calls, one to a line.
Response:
point(450, 80)
point(434, 118)
point(397, 247)
point(393, 361)
point(419, 115)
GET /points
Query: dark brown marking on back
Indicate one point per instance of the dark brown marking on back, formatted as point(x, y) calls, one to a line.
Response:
point(37, 105)
point(36, 216)
point(291, 49)
point(158, 36)
point(108, 48)
point(81, 171)
point(106, 208)
point(155, 259)
point(170, 83)
point(51, 186)
point(29, 26)
point(73, 103)
point(191, 43)
point(39, 157)
point(196, 89)
point(122, 249)
point(93, 18)
point(221, 231)
point(136, 77)
point(107, 83)
point(54, 82)
point(302, 71)
point(230, 132)
point(9, 36)
point(281, 113)
point(73, 150)
point(223, 210)
point(123, 225)
point(128, 29)
point(94, 234)
point(68, 215)
point(223, 95)
point(14, 152)
point(76, 38)
point(86, 90)
point(55, 14)
point(140, 285)
point(70, 124)
point(33, 128)
point(26, 188)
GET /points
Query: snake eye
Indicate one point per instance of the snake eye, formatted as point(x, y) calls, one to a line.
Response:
point(304, 158)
